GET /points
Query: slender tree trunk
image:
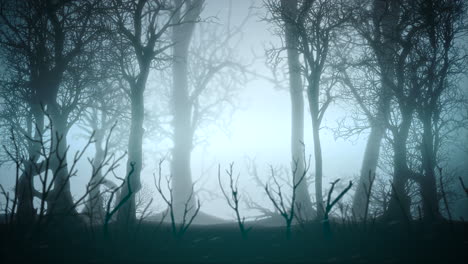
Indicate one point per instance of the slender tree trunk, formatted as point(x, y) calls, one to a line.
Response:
point(313, 96)
point(182, 110)
point(318, 170)
point(303, 202)
point(428, 182)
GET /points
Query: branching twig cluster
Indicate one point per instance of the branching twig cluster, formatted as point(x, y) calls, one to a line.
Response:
point(178, 229)
point(278, 199)
point(234, 197)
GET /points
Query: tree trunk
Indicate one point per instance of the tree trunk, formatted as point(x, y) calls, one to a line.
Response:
point(313, 96)
point(368, 167)
point(182, 110)
point(303, 202)
point(60, 200)
point(399, 205)
point(127, 213)
point(428, 182)
point(318, 170)
point(385, 22)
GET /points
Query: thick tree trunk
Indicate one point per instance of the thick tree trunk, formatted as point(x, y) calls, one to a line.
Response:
point(372, 151)
point(182, 109)
point(399, 204)
point(385, 21)
point(303, 202)
point(368, 169)
point(127, 213)
point(60, 200)
point(181, 153)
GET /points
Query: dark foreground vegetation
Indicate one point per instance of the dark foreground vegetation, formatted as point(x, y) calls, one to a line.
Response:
point(374, 242)
point(143, 80)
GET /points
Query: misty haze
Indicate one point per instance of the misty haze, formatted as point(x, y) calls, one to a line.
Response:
point(234, 131)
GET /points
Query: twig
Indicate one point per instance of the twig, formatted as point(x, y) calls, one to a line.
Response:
point(368, 193)
point(444, 195)
point(463, 185)
point(326, 222)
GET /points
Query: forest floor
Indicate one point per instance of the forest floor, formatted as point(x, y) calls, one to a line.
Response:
point(149, 242)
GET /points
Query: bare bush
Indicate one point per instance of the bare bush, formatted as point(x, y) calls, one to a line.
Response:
point(178, 229)
point(234, 197)
point(280, 200)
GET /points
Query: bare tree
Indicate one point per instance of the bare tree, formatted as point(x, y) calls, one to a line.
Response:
point(206, 73)
point(443, 60)
point(141, 29)
point(51, 43)
point(375, 23)
point(288, 14)
point(417, 85)
point(101, 166)
point(107, 117)
point(394, 34)
point(181, 36)
point(316, 24)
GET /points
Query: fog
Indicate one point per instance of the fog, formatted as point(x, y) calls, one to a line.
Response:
point(259, 128)
point(233, 131)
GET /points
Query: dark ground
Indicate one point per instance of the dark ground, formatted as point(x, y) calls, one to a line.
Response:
point(222, 243)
